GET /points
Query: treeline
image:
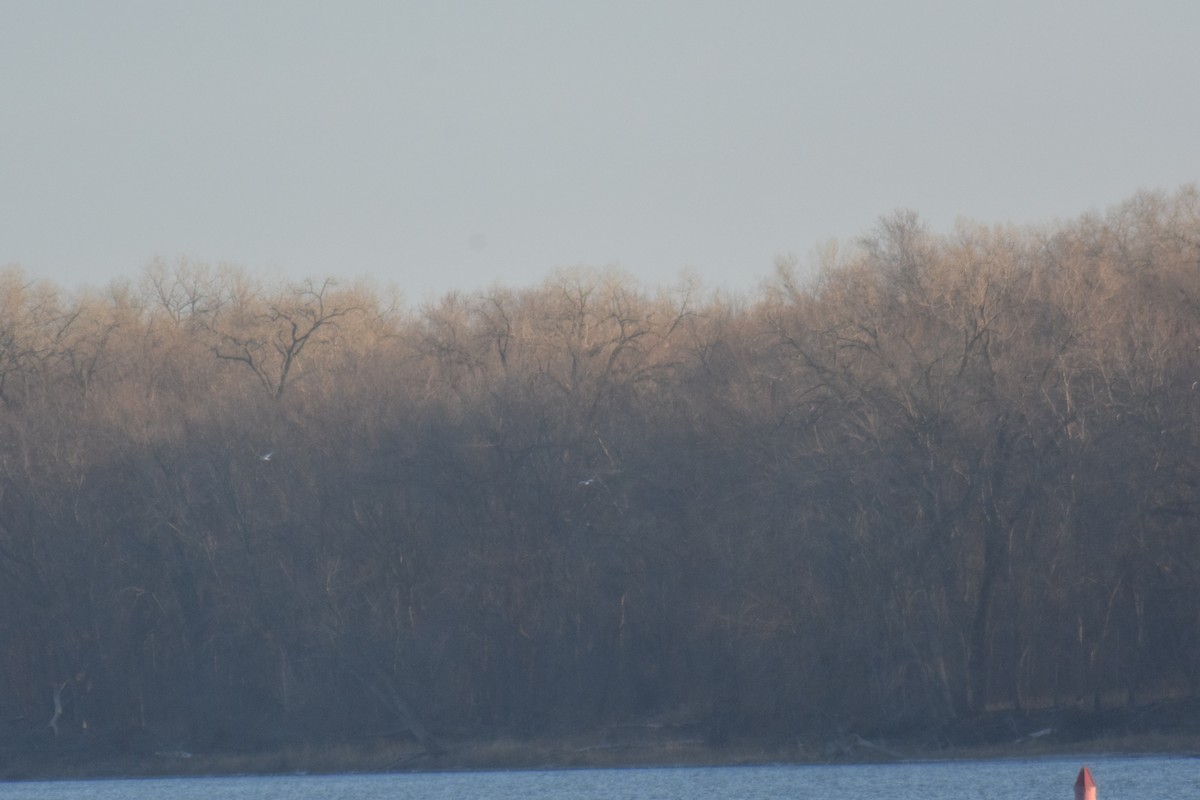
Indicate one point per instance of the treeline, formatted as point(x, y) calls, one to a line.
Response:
point(950, 473)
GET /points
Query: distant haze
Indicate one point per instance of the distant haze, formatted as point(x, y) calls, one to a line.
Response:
point(454, 145)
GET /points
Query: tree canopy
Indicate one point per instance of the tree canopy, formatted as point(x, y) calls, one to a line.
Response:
point(949, 473)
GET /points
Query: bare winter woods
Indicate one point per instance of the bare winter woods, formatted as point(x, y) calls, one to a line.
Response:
point(949, 473)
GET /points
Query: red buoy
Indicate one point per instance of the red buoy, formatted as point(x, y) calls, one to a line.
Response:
point(1085, 787)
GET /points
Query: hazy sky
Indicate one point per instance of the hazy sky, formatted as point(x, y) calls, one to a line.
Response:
point(440, 145)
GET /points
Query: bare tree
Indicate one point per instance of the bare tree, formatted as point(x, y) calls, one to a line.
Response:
point(268, 335)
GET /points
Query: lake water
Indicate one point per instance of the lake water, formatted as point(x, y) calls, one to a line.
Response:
point(1117, 778)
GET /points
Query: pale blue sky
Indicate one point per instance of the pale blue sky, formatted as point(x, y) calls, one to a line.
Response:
point(442, 145)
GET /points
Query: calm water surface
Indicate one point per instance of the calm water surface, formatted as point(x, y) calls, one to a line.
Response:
point(1117, 778)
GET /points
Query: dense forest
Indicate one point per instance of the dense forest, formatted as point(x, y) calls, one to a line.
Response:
point(929, 476)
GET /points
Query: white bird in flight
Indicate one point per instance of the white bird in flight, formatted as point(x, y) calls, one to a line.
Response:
point(266, 456)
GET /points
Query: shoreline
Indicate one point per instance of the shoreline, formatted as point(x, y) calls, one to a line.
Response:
point(580, 752)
